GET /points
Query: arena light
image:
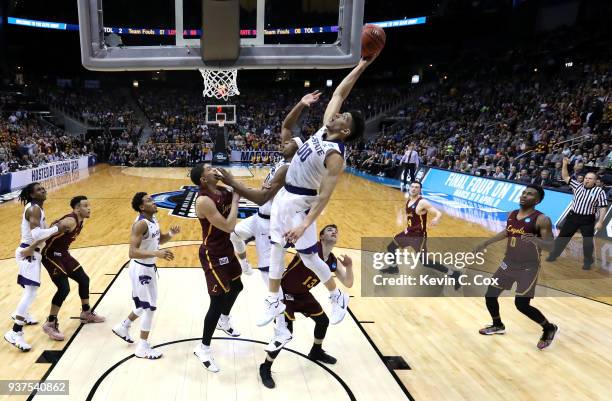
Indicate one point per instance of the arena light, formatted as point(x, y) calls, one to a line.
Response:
point(329, 83)
point(306, 84)
point(135, 84)
point(415, 79)
point(569, 64)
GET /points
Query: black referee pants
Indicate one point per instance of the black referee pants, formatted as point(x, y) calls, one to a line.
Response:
point(574, 222)
point(408, 169)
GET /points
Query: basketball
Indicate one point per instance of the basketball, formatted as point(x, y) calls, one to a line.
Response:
point(372, 40)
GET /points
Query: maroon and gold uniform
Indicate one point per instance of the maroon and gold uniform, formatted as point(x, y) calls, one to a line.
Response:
point(216, 253)
point(297, 282)
point(415, 234)
point(55, 256)
point(521, 263)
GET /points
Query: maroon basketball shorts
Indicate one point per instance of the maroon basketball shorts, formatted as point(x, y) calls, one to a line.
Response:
point(219, 271)
point(416, 242)
point(59, 263)
point(526, 279)
point(305, 303)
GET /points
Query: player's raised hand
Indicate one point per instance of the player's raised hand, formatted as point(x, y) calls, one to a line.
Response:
point(225, 176)
point(165, 254)
point(295, 233)
point(175, 230)
point(565, 161)
point(346, 261)
point(311, 98)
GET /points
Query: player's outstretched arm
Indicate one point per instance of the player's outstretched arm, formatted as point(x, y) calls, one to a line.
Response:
point(335, 166)
point(165, 237)
point(206, 209)
point(344, 88)
point(344, 271)
point(498, 237)
point(259, 196)
point(138, 231)
point(33, 214)
point(288, 129)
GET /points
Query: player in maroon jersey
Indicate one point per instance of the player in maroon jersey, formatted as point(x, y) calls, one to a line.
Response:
point(415, 234)
point(527, 232)
point(296, 284)
point(217, 210)
point(61, 266)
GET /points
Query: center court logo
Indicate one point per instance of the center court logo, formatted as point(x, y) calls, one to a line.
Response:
point(181, 203)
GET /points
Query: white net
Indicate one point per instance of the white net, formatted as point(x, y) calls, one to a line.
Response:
point(220, 84)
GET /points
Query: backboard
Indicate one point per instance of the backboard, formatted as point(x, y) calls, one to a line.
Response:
point(274, 34)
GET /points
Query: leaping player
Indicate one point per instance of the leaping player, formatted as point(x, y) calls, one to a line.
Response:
point(257, 226)
point(310, 182)
point(415, 234)
point(217, 210)
point(34, 231)
point(296, 284)
point(527, 232)
point(61, 266)
point(145, 240)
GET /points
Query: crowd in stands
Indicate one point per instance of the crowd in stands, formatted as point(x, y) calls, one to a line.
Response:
point(94, 107)
point(27, 141)
point(515, 123)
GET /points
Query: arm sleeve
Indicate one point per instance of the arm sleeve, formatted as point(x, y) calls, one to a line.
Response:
point(42, 233)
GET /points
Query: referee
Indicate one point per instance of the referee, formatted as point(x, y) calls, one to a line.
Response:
point(588, 198)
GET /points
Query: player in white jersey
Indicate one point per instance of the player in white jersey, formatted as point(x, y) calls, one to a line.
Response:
point(310, 181)
point(144, 251)
point(257, 226)
point(34, 231)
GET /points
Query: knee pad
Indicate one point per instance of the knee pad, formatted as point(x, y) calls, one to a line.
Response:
point(29, 294)
point(62, 292)
point(277, 263)
point(147, 320)
point(138, 312)
point(316, 264)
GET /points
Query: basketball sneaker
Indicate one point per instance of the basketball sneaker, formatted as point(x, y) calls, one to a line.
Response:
point(204, 354)
point(144, 350)
point(318, 354)
point(273, 306)
point(339, 306)
point(548, 336)
point(246, 267)
point(52, 330)
point(91, 317)
point(282, 336)
point(492, 329)
point(123, 333)
point(16, 339)
point(266, 376)
point(29, 320)
point(225, 324)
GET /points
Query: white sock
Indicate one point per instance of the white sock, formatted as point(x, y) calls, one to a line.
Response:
point(335, 292)
point(274, 295)
point(224, 318)
point(205, 348)
point(144, 343)
point(127, 323)
point(244, 263)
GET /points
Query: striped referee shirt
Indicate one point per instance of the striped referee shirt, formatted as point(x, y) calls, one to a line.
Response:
point(587, 200)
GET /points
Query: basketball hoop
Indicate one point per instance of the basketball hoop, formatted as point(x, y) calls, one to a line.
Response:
point(220, 84)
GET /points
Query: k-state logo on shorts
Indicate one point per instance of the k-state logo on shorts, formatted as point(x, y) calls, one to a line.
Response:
point(144, 279)
point(181, 203)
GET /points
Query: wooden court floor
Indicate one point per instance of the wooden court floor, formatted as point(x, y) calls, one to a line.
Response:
point(436, 337)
